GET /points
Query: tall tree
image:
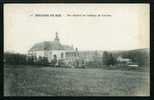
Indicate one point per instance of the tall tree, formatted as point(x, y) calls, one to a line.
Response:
point(108, 58)
point(105, 58)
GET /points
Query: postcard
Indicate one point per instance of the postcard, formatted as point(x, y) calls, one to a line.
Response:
point(77, 49)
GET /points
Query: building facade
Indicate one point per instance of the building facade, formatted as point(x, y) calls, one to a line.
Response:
point(55, 50)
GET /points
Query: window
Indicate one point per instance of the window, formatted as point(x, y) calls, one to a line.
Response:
point(62, 55)
point(54, 56)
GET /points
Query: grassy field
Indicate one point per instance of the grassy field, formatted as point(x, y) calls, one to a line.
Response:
point(48, 81)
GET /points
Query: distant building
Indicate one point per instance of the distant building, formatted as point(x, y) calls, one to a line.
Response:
point(123, 60)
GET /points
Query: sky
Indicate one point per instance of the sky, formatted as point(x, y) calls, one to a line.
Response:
point(122, 26)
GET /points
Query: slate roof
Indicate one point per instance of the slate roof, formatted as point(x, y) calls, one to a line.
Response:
point(50, 45)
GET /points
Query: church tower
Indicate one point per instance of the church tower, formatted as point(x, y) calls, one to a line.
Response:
point(57, 38)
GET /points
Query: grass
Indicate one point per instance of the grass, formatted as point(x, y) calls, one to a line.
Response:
point(48, 81)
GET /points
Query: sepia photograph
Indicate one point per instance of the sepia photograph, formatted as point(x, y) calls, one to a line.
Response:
point(76, 49)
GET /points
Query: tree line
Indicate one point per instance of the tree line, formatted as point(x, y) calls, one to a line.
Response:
point(137, 57)
point(16, 59)
point(107, 58)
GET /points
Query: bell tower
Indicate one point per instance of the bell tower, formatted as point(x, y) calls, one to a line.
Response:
point(57, 38)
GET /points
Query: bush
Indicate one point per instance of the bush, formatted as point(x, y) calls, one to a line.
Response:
point(108, 59)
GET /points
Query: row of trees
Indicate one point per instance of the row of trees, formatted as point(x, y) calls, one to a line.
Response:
point(100, 60)
point(19, 59)
point(108, 58)
point(11, 58)
point(139, 57)
point(16, 58)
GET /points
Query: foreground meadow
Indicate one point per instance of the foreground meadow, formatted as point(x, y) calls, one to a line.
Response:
point(49, 81)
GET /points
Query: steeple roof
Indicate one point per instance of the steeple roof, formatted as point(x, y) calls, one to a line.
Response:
point(57, 38)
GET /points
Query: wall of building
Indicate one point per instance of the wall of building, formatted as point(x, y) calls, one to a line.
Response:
point(58, 53)
point(70, 57)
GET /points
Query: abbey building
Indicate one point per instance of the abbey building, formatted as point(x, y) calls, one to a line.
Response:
point(55, 50)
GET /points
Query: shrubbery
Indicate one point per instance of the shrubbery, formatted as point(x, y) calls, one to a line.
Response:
point(16, 59)
point(108, 59)
point(11, 58)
